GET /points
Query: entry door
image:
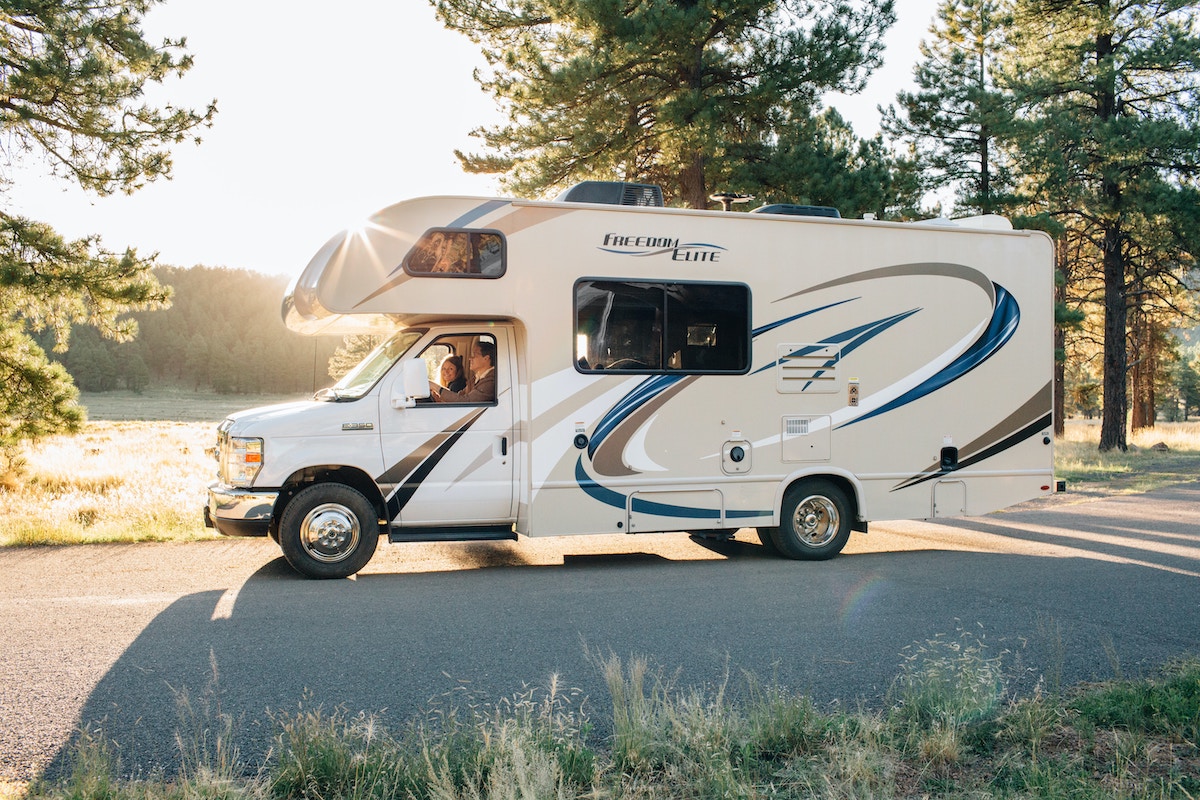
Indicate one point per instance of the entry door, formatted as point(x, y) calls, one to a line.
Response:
point(452, 463)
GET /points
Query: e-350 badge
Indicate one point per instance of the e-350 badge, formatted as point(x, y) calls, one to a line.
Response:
point(644, 246)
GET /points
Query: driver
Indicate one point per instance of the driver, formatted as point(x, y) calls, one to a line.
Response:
point(482, 386)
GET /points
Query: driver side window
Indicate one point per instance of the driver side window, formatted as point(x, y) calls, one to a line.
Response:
point(461, 368)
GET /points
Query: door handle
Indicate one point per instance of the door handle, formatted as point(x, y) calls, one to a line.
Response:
point(503, 445)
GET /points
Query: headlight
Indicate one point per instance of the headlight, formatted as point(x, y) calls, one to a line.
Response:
point(241, 460)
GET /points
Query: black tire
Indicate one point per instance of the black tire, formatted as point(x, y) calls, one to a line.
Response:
point(328, 530)
point(767, 539)
point(814, 522)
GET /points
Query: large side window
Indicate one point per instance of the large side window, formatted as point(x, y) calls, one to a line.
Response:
point(655, 326)
point(448, 252)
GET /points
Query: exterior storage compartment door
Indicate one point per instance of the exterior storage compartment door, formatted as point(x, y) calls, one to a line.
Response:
point(949, 498)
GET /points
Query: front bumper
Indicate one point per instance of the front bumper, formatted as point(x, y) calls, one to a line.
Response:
point(239, 512)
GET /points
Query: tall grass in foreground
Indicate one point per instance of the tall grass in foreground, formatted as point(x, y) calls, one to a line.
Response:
point(949, 730)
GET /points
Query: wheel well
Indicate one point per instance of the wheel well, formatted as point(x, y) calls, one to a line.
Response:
point(347, 476)
point(843, 483)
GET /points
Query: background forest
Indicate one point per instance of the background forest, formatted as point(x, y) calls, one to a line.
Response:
point(222, 333)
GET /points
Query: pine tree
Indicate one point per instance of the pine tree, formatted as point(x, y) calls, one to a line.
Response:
point(1109, 127)
point(817, 160)
point(74, 75)
point(958, 112)
point(655, 90)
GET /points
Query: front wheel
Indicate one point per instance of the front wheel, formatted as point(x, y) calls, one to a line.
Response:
point(815, 521)
point(328, 530)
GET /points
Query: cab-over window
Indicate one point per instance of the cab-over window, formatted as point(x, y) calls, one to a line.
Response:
point(453, 253)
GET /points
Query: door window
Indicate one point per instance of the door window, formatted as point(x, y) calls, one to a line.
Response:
point(462, 368)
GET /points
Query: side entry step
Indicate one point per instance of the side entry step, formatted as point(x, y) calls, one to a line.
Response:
point(445, 533)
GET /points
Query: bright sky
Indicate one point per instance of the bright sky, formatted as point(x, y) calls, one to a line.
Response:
point(323, 118)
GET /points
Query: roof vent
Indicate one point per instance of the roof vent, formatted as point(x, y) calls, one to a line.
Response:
point(613, 193)
point(798, 211)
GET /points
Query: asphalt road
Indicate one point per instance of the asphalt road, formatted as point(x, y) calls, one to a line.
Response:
point(1067, 588)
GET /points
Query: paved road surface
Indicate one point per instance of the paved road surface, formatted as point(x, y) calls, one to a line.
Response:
point(1069, 588)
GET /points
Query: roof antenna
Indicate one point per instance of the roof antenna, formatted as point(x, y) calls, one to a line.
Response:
point(727, 199)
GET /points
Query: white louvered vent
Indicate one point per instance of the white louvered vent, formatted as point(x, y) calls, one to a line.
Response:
point(809, 368)
point(795, 427)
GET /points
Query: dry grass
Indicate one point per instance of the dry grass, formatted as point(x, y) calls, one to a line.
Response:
point(136, 472)
point(115, 481)
point(1178, 436)
point(173, 405)
point(1078, 460)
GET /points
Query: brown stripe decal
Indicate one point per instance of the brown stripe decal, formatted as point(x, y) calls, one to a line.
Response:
point(1032, 417)
point(523, 217)
point(607, 459)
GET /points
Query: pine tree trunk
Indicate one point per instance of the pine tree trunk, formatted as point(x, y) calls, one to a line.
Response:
point(1116, 356)
point(692, 190)
point(1060, 384)
point(1060, 343)
point(1137, 376)
point(1143, 376)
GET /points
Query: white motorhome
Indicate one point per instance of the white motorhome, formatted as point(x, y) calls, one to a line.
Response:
point(651, 369)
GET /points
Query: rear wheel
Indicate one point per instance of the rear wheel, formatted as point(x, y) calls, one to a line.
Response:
point(814, 521)
point(766, 536)
point(328, 530)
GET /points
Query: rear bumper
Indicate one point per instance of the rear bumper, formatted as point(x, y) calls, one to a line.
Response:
point(239, 512)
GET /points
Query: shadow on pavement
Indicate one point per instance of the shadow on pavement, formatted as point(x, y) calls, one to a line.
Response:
point(387, 644)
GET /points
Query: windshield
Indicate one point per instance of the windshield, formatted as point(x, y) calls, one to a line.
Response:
point(358, 381)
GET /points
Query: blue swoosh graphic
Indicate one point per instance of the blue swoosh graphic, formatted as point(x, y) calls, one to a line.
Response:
point(645, 391)
point(617, 500)
point(480, 210)
point(857, 337)
point(1006, 316)
point(770, 326)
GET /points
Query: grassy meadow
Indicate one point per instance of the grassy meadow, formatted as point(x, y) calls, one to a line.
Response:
point(137, 471)
point(1078, 461)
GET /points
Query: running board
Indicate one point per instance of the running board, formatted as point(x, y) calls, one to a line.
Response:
point(444, 533)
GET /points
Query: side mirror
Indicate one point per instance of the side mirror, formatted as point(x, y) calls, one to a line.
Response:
point(413, 384)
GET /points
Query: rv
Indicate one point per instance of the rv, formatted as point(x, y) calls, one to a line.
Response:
point(633, 369)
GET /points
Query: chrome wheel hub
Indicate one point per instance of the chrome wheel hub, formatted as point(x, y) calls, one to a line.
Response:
point(329, 533)
point(816, 521)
